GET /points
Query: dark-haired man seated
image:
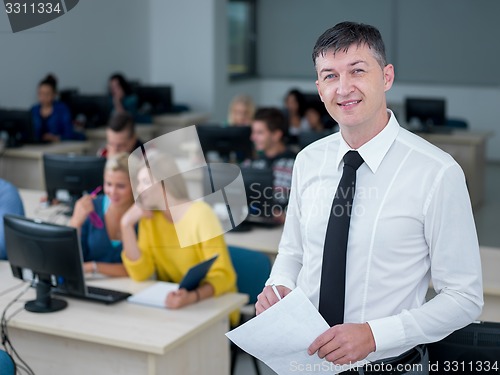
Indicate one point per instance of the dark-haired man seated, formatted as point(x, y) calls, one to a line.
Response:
point(120, 136)
point(269, 129)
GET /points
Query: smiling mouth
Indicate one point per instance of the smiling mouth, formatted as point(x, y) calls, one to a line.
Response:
point(347, 104)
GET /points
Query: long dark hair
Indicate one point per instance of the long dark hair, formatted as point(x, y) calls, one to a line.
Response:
point(123, 83)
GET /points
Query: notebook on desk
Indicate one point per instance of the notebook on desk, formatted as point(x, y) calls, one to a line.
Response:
point(156, 294)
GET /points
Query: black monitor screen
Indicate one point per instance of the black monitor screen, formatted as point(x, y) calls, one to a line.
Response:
point(308, 137)
point(90, 110)
point(259, 191)
point(428, 112)
point(154, 99)
point(475, 349)
point(52, 252)
point(259, 188)
point(75, 174)
point(229, 143)
point(16, 126)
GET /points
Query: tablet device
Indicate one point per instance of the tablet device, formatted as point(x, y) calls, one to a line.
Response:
point(193, 277)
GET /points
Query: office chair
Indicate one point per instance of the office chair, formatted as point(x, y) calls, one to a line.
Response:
point(7, 366)
point(253, 269)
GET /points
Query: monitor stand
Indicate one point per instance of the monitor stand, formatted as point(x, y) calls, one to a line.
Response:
point(44, 302)
point(242, 227)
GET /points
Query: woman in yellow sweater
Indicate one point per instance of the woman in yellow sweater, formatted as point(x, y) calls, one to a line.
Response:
point(174, 236)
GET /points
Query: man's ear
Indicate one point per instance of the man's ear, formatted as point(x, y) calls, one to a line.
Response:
point(388, 76)
point(319, 92)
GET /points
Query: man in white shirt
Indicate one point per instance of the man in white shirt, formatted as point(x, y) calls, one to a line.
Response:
point(411, 219)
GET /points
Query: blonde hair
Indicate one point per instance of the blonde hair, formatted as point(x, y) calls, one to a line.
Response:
point(247, 101)
point(161, 164)
point(117, 163)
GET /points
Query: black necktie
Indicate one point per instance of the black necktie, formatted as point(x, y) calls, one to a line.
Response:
point(332, 288)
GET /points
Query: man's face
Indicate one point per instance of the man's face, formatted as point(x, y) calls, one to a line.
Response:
point(119, 142)
point(352, 85)
point(262, 137)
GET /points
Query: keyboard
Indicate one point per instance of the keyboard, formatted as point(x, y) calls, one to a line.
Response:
point(105, 295)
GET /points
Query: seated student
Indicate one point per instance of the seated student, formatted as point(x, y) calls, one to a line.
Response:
point(52, 118)
point(241, 111)
point(10, 203)
point(120, 136)
point(295, 108)
point(172, 241)
point(314, 117)
point(268, 133)
point(102, 244)
point(123, 99)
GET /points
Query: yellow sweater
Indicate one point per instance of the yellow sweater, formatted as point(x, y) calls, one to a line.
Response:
point(162, 254)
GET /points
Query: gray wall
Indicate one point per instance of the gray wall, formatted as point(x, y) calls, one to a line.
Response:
point(82, 48)
point(288, 29)
point(429, 41)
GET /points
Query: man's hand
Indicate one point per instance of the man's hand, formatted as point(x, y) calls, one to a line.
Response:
point(268, 298)
point(344, 343)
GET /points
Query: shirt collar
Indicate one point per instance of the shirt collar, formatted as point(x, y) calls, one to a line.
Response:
point(373, 151)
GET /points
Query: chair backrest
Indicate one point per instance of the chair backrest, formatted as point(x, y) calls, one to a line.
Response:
point(252, 268)
point(6, 364)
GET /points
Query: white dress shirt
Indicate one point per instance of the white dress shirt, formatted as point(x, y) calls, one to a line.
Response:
point(411, 223)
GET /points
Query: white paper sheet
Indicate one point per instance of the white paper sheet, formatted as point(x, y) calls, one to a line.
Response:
point(154, 295)
point(280, 336)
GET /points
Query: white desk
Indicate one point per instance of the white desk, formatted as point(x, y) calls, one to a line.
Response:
point(265, 240)
point(90, 338)
point(23, 166)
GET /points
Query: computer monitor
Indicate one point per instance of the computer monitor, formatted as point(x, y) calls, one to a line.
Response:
point(259, 192)
point(472, 348)
point(52, 252)
point(427, 111)
point(75, 174)
point(230, 144)
point(67, 94)
point(308, 137)
point(259, 188)
point(91, 110)
point(154, 99)
point(16, 126)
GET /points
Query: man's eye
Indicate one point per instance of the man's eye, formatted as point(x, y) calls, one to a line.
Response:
point(329, 76)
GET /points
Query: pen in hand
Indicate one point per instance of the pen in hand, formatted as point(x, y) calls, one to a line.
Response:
point(96, 191)
point(275, 290)
point(93, 217)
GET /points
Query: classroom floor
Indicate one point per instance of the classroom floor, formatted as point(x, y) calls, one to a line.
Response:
point(487, 219)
